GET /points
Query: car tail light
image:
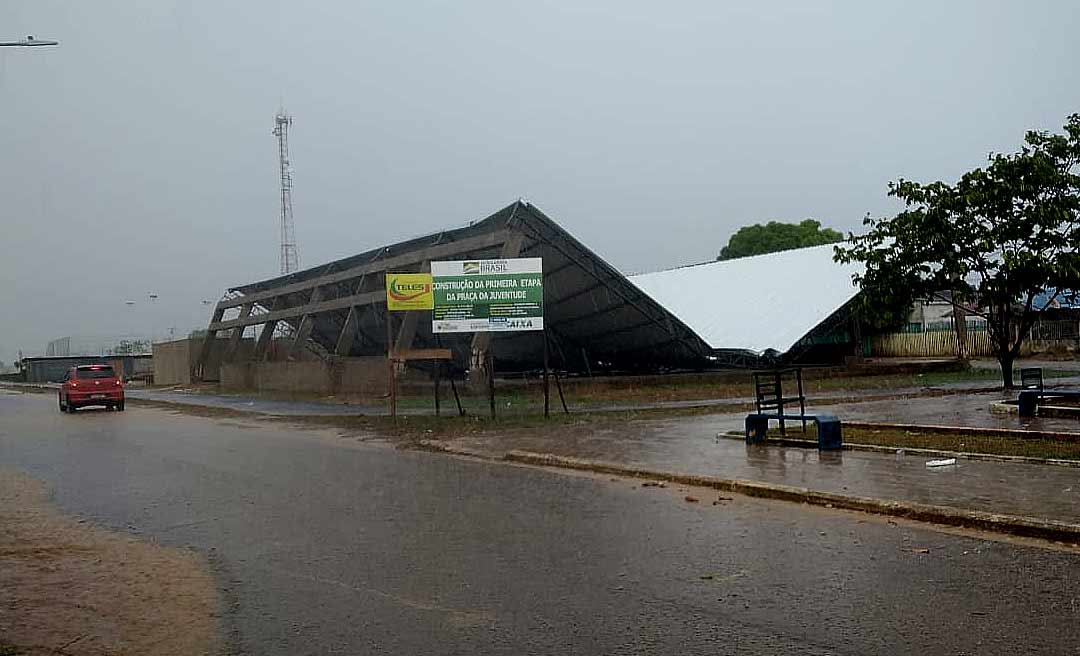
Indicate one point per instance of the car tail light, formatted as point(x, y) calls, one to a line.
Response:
point(117, 382)
point(74, 384)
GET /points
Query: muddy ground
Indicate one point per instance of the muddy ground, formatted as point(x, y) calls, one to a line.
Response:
point(68, 587)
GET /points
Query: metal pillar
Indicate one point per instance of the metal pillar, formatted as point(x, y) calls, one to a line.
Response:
point(348, 334)
point(302, 334)
point(207, 345)
point(303, 331)
point(263, 343)
point(237, 334)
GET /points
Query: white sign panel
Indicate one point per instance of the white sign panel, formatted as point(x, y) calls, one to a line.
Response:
point(488, 295)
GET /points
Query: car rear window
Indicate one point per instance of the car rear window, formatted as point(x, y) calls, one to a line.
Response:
point(95, 372)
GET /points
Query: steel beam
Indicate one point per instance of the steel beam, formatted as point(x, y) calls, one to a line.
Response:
point(435, 252)
point(348, 334)
point(265, 338)
point(302, 334)
point(208, 344)
point(344, 302)
point(306, 324)
point(407, 331)
point(237, 333)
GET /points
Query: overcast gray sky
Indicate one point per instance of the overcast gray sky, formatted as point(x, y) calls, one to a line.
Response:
point(137, 157)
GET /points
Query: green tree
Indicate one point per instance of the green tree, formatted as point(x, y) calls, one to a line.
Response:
point(775, 236)
point(998, 238)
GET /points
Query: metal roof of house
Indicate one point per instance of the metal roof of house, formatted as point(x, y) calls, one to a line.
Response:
point(760, 303)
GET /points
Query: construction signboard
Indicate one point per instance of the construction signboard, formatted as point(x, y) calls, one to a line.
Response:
point(408, 291)
point(488, 295)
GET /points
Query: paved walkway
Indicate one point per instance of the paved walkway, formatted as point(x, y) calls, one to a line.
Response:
point(691, 446)
point(969, 410)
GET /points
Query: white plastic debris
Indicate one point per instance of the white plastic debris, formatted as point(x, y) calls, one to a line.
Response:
point(944, 462)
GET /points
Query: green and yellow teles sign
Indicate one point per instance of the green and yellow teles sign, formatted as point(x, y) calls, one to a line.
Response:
point(488, 295)
point(409, 291)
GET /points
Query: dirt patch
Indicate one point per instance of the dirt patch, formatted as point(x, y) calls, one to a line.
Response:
point(195, 410)
point(67, 587)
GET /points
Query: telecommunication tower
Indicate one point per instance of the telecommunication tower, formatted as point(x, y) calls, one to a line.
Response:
point(290, 256)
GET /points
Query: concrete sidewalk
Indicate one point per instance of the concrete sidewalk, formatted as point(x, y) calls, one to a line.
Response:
point(690, 446)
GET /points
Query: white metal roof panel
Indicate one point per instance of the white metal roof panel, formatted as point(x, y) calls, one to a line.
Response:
point(754, 303)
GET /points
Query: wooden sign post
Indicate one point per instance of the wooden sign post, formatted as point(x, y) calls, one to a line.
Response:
point(547, 393)
point(405, 355)
point(391, 363)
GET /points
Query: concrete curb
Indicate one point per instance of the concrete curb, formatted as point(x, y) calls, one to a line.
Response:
point(31, 388)
point(195, 408)
point(998, 523)
point(933, 453)
point(1062, 436)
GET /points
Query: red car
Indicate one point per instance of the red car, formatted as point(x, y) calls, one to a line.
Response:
point(91, 384)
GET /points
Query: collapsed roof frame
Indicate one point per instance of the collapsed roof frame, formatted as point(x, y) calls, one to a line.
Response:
point(595, 318)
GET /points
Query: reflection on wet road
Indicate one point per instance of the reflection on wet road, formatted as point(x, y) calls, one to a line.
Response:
point(324, 545)
point(689, 445)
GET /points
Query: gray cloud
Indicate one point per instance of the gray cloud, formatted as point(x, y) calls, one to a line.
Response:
point(137, 156)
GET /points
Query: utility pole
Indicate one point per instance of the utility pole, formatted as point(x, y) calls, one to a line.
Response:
point(290, 256)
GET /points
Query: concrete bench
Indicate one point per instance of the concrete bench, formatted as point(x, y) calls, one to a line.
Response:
point(829, 432)
point(1029, 400)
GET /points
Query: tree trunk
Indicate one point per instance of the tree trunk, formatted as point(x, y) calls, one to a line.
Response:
point(1006, 362)
point(960, 326)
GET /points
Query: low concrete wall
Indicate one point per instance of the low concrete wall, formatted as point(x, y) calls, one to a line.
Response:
point(362, 376)
point(358, 376)
point(172, 362)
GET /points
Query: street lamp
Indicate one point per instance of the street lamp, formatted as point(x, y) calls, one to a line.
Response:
point(29, 42)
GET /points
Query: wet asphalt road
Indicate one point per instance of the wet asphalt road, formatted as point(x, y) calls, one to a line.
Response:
point(324, 545)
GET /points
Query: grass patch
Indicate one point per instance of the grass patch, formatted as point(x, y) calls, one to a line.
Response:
point(412, 428)
point(8, 650)
point(526, 396)
point(1000, 445)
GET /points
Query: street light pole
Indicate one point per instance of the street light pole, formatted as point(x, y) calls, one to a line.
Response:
point(29, 42)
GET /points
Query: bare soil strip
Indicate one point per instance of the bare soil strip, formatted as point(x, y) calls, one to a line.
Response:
point(67, 587)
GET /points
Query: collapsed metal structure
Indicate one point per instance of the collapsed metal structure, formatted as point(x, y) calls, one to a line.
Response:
point(596, 319)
